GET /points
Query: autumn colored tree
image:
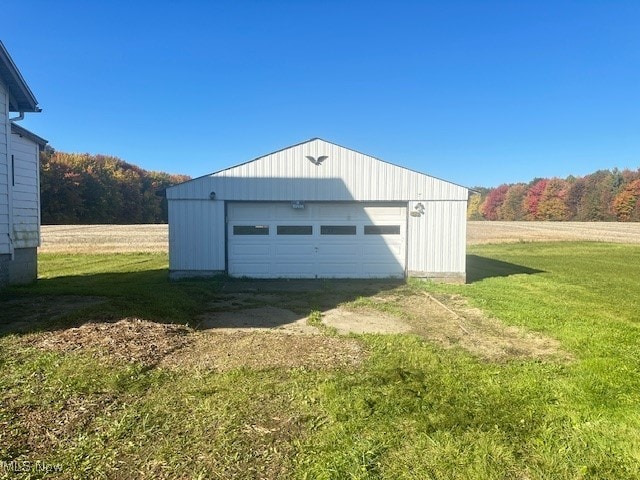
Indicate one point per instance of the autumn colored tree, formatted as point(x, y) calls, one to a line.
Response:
point(513, 206)
point(532, 199)
point(473, 207)
point(490, 208)
point(627, 203)
point(575, 193)
point(552, 201)
point(596, 204)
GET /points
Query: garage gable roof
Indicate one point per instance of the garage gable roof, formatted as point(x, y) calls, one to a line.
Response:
point(21, 98)
point(318, 170)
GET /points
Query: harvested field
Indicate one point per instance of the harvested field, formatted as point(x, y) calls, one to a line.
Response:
point(513, 232)
point(104, 238)
point(154, 238)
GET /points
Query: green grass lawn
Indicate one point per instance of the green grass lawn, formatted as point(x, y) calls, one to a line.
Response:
point(412, 410)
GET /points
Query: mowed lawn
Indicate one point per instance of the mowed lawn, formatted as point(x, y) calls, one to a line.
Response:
point(411, 410)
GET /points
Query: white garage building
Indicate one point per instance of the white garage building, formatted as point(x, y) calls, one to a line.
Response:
point(318, 210)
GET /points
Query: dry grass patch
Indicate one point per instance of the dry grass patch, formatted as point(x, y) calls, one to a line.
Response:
point(129, 339)
point(260, 351)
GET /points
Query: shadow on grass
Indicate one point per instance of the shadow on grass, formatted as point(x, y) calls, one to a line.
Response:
point(67, 301)
point(479, 268)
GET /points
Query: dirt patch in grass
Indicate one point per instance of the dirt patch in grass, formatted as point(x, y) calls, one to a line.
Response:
point(364, 321)
point(259, 351)
point(255, 330)
point(265, 318)
point(449, 321)
point(175, 346)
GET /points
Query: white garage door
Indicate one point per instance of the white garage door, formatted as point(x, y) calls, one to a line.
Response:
point(316, 240)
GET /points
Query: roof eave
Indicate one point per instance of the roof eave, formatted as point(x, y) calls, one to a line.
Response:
point(23, 132)
point(25, 100)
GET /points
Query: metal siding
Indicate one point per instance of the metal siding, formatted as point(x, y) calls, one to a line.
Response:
point(345, 176)
point(437, 240)
point(196, 235)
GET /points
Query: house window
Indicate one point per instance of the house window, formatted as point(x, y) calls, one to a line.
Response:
point(337, 230)
point(251, 229)
point(295, 230)
point(382, 229)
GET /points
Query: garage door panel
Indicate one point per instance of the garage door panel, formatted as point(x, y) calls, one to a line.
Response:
point(339, 268)
point(253, 249)
point(385, 269)
point(382, 250)
point(251, 269)
point(384, 213)
point(301, 270)
point(337, 249)
point(294, 250)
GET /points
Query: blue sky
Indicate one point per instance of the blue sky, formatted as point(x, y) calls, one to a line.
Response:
point(479, 93)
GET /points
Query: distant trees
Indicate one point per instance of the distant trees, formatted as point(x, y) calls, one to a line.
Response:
point(606, 195)
point(90, 189)
point(626, 205)
point(492, 205)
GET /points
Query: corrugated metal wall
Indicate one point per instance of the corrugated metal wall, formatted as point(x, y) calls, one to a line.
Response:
point(196, 235)
point(437, 239)
point(345, 175)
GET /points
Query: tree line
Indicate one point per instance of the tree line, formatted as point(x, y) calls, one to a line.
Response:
point(79, 188)
point(606, 195)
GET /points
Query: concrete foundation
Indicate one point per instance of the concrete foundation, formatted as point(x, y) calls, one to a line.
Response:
point(182, 274)
point(23, 268)
point(440, 277)
point(4, 270)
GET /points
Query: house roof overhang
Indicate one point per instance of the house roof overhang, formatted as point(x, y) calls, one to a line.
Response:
point(21, 98)
point(23, 132)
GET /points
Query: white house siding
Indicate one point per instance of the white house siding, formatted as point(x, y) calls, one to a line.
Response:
point(25, 192)
point(5, 247)
point(197, 236)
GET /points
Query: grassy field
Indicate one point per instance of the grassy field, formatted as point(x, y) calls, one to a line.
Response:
point(410, 410)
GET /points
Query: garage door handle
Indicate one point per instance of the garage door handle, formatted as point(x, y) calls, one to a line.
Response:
point(315, 249)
